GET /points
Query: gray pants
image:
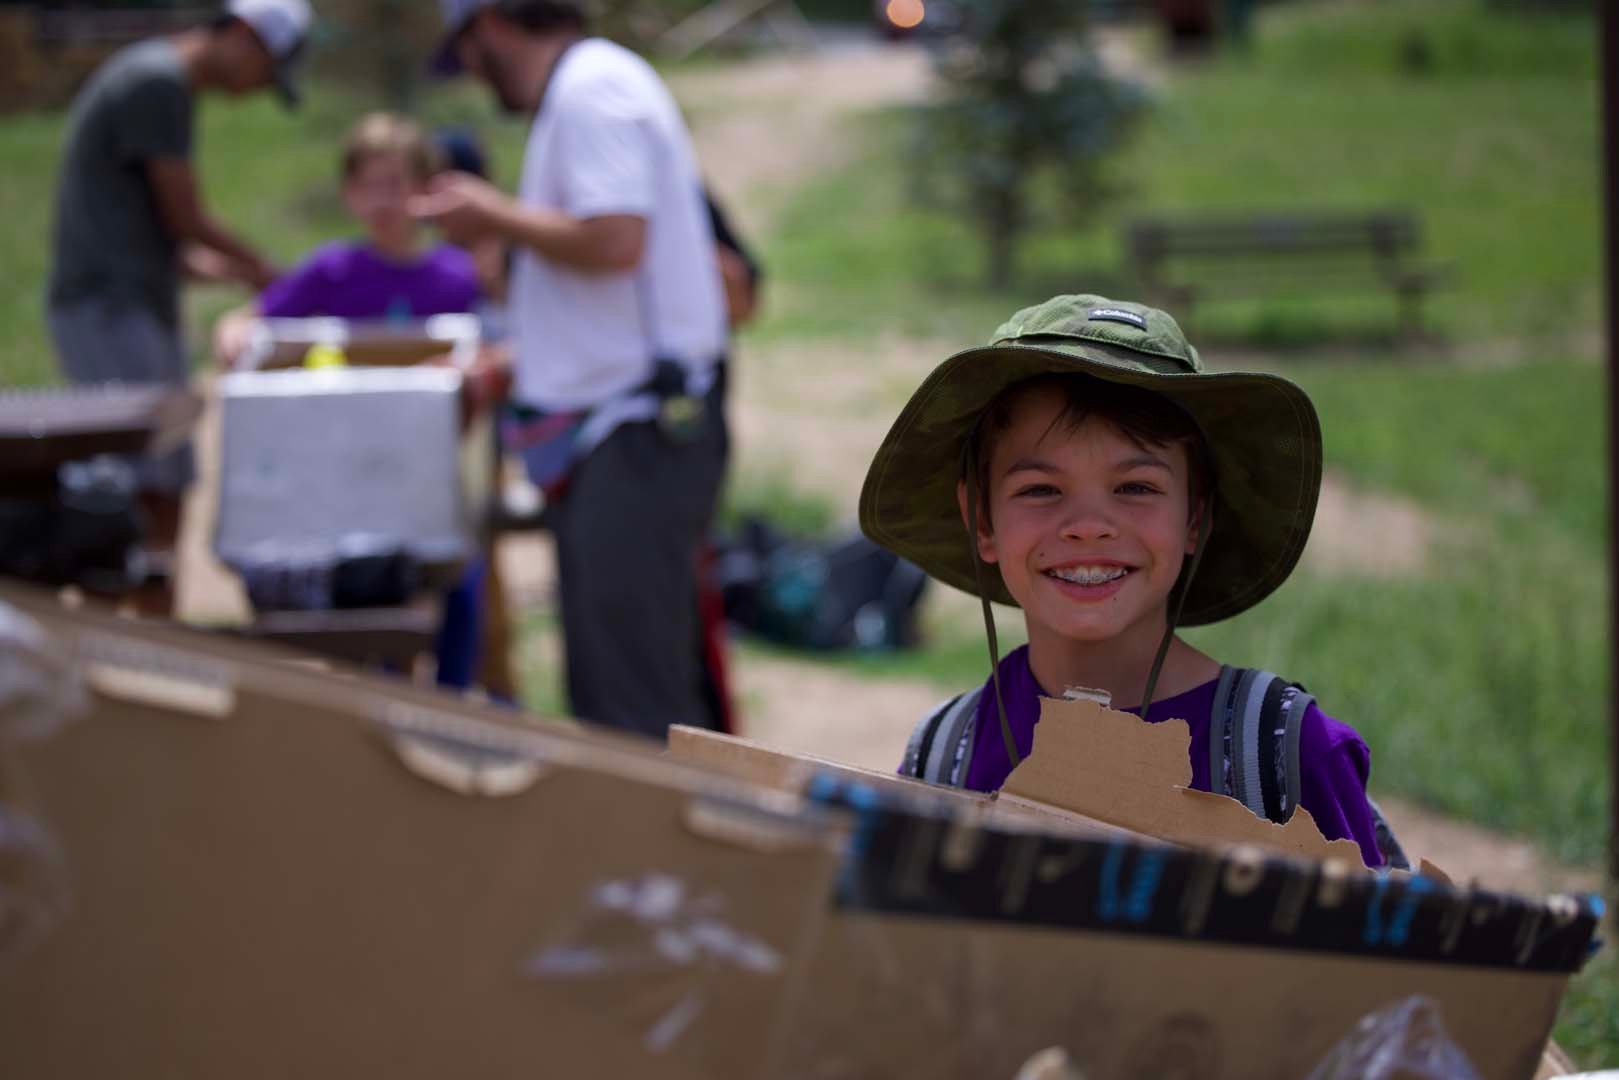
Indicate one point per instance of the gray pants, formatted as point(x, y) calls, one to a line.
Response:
point(628, 533)
point(104, 339)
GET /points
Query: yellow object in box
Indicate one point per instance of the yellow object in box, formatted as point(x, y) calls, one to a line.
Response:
point(325, 355)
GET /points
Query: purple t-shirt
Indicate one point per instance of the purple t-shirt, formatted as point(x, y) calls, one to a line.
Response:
point(353, 281)
point(1334, 761)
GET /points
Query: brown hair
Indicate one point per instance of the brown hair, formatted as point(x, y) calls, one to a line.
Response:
point(1145, 418)
point(380, 133)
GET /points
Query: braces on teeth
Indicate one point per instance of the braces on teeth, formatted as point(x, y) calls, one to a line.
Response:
point(1097, 575)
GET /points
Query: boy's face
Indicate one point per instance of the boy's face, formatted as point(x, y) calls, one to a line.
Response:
point(1088, 527)
point(378, 193)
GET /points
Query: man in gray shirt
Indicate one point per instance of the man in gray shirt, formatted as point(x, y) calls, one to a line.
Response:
point(129, 219)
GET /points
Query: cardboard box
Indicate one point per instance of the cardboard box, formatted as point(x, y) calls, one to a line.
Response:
point(277, 873)
point(784, 770)
point(962, 950)
point(282, 873)
point(1092, 769)
point(281, 343)
point(973, 933)
point(311, 457)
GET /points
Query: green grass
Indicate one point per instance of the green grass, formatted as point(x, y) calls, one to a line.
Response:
point(1588, 1025)
point(1524, 442)
point(1495, 148)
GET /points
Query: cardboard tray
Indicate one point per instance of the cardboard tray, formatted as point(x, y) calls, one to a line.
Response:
point(283, 343)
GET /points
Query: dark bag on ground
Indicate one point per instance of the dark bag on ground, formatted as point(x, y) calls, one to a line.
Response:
point(840, 593)
point(86, 531)
point(359, 572)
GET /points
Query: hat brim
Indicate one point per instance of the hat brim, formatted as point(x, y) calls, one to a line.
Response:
point(1263, 435)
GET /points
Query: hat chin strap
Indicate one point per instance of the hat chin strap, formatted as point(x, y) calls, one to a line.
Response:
point(1205, 521)
point(970, 471)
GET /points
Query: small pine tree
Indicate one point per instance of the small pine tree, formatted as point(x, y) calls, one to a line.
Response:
point(1027, 95)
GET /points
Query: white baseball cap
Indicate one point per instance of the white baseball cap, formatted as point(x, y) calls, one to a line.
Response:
point(283, 27)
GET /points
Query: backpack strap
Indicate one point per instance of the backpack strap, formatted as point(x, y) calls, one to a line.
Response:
point(1394, 855)
point(1296, 701)
point(1257, 762)
point(940, 747)
point(1254, 741)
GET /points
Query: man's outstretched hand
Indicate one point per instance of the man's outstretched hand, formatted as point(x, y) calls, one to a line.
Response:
point(465, 208)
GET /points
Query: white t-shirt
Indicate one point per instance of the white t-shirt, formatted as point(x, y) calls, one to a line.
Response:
point(608, 139)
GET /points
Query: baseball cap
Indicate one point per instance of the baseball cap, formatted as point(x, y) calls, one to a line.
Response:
point(283, 27)
point(456, 15)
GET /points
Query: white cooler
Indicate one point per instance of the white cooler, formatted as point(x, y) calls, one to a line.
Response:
point(313, 458)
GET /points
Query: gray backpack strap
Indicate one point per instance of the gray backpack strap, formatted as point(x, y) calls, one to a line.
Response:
point(940, 746)
point(1254, 739)
point(1267, 750)
point(1394, 855)
point(922, 734)
point(1250, 736)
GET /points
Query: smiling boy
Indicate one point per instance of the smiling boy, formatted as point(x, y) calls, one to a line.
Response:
point(1116, 491)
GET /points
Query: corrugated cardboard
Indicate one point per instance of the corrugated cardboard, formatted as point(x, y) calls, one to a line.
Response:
point(917, 981)
point(961, 951)
point(1092, 769)
point(275, 875)
point(784, 770)
point(269, 883)
point(1106, 764)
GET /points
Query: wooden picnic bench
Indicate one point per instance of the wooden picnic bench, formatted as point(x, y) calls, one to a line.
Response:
point(1179, 261)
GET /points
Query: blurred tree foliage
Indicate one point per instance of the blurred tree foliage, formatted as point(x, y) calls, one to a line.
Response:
point(385, 45)
point(1030, 117)
point(379, 47)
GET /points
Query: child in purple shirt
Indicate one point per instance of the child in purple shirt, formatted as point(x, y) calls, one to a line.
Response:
point(386, 162)
point(1085, 467)
point(388, 275)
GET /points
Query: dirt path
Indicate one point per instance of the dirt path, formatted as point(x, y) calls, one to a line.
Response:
point(763, 125)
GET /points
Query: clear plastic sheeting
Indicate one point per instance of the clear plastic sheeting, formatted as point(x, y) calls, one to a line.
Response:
point(33, 882)
point(655, 934)
point(39, 690)
point(1405, 1041)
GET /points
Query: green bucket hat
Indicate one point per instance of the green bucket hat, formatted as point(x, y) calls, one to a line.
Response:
point(1263, 437)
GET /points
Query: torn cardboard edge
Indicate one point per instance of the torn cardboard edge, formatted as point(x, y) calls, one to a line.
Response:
point(1110, 766)
point(189, 671)
point(1093, 769)
point(755, 763)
